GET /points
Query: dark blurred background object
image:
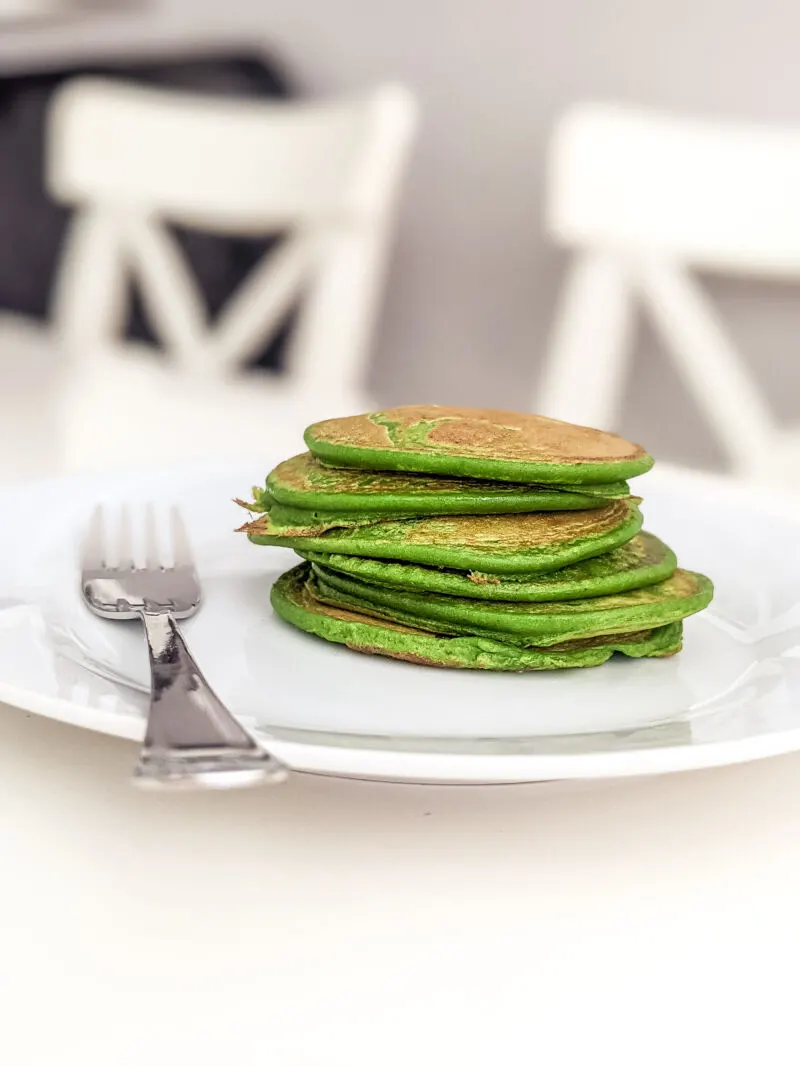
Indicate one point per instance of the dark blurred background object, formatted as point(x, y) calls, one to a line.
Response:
point(32, 226)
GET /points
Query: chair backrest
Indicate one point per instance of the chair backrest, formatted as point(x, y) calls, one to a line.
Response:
point(644, 199)
point(131, 158)
point(713, 194)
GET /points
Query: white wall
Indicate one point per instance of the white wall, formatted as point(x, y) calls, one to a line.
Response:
point(473, 280)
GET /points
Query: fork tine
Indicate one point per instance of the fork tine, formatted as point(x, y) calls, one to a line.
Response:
point(150, 537)
point(125, 539)
point(93, 551)
point(181, 549)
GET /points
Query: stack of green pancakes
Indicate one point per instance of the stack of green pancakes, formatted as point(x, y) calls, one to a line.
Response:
point(462, 537)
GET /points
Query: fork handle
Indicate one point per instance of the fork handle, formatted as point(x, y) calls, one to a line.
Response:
point(192, 739)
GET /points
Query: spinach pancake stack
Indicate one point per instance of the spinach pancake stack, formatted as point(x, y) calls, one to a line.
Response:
point(463, 537)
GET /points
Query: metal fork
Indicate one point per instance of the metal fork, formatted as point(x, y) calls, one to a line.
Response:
point(191, 738)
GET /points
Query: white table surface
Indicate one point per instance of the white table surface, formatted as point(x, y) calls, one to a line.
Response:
point(342, 922)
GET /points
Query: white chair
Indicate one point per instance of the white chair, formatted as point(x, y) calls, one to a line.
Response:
point(643, 199)
point(130, 159)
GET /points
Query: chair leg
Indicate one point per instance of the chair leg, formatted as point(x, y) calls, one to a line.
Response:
point(587, 356)
point(711, 368)
point(90, 299)
point(339, 316)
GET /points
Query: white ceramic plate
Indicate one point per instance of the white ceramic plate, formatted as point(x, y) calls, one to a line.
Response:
point(733, 694)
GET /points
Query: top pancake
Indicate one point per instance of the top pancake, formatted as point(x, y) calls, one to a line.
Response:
point(477, 443)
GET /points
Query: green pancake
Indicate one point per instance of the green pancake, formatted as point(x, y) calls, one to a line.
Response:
point(538, 624)
point(304, 483)
point(292, 599)
point(644, 560)
point(491, 544)
point(303, 522)
point(477, 443)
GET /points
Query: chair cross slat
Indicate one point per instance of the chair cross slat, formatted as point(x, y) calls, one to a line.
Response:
point(644, 200)
point(132, 160)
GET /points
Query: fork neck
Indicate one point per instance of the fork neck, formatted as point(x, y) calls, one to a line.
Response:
point(162, 636)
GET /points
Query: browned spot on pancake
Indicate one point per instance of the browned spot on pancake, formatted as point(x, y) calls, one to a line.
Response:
point(636, 552)
point(479, 433)
point(600, 641)
point(294, 473)
point(409, 657)
point(505, 435)
point(509, 532)
point(307, 599)
point(266, 526)
point(483, 579)
point(306, 474)
point(355, 430)
point(255, 526)
point(681, 584)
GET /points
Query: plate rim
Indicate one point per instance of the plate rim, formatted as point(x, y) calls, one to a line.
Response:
point(388, 760)
point(392, 764)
